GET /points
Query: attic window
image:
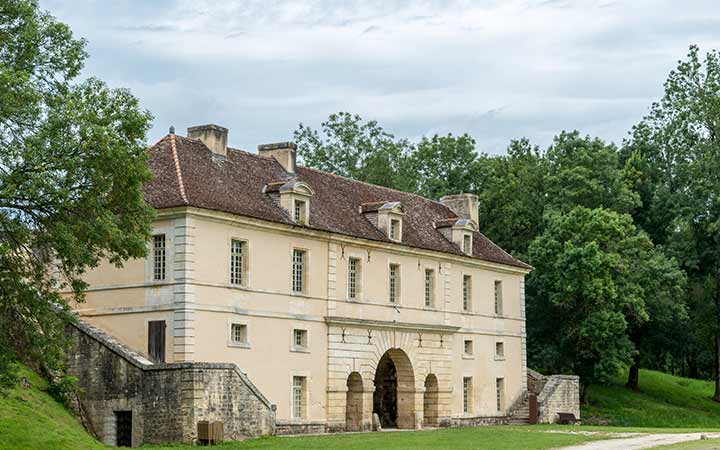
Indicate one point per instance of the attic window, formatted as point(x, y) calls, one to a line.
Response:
point(300, 212)
point(395, 229)
point(467, 244)
point(293, 196)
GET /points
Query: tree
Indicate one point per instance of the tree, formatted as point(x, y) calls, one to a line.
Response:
point(445, 165)
point(359, 150)
point(680, 141)
point(72, 166)
point(586, 288)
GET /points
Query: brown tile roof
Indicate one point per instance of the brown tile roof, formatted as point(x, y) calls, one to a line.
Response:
point(187, 173)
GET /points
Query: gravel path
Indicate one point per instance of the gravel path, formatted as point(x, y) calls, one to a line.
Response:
point(636, 442)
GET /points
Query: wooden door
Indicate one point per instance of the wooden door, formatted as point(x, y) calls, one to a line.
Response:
point(156, 340)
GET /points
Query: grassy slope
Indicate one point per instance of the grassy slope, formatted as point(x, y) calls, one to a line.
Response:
point(31, 419)
point(663, 401)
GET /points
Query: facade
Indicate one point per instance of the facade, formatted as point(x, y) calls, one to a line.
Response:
point(336, 298)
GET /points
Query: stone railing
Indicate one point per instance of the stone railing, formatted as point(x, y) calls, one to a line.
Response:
point(165, 400)
point(555, 394)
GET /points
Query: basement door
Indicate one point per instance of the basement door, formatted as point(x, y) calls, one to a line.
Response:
point(123, 428)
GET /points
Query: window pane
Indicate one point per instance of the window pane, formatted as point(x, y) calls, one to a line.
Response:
point(429, 275)
point(353, 272)
point(237, 262)
point(298, 387)
point(466, 292)
point(159, 257)
point(394, 282)
point(298, 270)
point(498, 297)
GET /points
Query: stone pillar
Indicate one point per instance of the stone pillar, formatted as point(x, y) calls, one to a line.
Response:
point(367, 397)
point(336, 407)
point(184, 291)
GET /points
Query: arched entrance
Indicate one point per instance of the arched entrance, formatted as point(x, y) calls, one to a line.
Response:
point(394, 396)
point(354, 403)
point(430, 401)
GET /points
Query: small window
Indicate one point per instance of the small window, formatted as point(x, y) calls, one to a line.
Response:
point(300, 212)
point(238, 333)
point(353, 277)
point(159, 261)
point(237, 262)
point(498, 298)
point(499, 350)
point(429, 286)
point(298, 275)
point(300, 339)
point(467, 244)
point(298, 398)
point(468, 347)
point(500, 390)
point(467, 292)
point(395, 229)
point(394, 282)
point(467, 394)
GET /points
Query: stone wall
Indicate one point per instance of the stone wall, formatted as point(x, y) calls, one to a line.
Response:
point(166, 400)
point(555, 394)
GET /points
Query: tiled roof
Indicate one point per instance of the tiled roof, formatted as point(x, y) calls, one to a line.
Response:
point(187, 173)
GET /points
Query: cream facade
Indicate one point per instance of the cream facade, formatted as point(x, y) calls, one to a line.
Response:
point(327, 346)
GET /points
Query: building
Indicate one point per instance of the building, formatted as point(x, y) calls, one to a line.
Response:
point(336, 298)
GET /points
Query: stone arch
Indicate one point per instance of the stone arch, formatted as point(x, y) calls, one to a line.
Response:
point(430, 400)
point(354, 403)
point(394, 399)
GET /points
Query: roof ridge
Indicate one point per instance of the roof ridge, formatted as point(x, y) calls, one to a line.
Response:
point(178, 171)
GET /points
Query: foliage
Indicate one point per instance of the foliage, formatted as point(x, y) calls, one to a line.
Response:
point(355, 149)
point(72, 166)
point(445, 165)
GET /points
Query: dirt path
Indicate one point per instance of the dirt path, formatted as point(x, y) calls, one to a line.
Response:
point(636, 442)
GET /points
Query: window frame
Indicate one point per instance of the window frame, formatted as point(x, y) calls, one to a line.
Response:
point(394, 283)
point(304, 334)
point(300, 211)
point(500, 356)
point(354, 278)
point(471, 353)
point(298, 398)
point(429, 288)
point(231, 341)
point(244, 261)
point(467, 244)
point(498, 286)
point(304, 263)
point(467, 293)
point(159, 254)
point(467, 394)
point(500, 394)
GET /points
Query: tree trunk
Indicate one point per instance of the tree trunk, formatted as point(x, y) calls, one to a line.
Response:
point(585, 394)
point(633, 376)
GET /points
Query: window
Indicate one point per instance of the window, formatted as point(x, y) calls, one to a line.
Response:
point(394, 282)
point(299, 212)
point(300, 339)
point(468, 347)
point(353, 277)
point(395, 229)
point(467, 292)
point(498, 297)
point(298, 398)
point(500, 390)
point(238, 333)
point(237, 262)
point(467, 244)
point(467, 394)
point(429, 286)
point(499, 350)
point(159, 257)
point(298, 275)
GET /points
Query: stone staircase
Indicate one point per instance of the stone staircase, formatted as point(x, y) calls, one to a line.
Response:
point(520, 413)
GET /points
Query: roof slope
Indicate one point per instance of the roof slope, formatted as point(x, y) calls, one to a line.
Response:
point(235, 185)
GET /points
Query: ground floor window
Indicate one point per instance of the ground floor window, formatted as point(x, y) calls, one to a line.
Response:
point(298, 398)
point(467, 394)
point(500, 388)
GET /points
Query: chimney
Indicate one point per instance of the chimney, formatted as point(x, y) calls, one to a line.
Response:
point(464, 205)
point(213, 136)
point(283, 152)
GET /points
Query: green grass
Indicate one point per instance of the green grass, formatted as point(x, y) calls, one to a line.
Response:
point(663, 401)
point(710, 444)
point(31, 419)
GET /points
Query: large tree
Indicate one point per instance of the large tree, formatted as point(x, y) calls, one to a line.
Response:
point(678, 143)
point(594, 272)
point(445, 165)
point(72, 166)
point(350, 147)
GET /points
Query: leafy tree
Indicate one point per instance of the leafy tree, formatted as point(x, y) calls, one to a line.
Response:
point(359, 150)
point(680, 141)
point(72, 166)
point(592, 267)
point(445, 165)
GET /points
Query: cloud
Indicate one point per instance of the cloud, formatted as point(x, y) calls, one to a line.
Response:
point(496, 69)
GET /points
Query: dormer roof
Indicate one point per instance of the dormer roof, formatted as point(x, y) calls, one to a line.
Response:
point(185, 174)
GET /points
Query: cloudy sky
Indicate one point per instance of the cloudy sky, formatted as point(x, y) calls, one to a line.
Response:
point(495, 69)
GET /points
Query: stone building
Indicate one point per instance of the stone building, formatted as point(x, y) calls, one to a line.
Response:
point(335, 297)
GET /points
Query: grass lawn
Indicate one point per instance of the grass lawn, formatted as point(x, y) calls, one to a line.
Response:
point(31, 419)
point(710, 444)
point(663, 401)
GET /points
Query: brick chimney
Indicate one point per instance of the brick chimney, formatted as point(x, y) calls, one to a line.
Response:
point(283, 152)
point(213, 136)
point(464, 205)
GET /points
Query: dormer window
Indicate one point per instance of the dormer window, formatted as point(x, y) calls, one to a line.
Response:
point(386, 216)
point(299, 214)
point(395, 229)
point(467, 244)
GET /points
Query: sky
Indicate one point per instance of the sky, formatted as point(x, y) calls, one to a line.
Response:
point(498, 70)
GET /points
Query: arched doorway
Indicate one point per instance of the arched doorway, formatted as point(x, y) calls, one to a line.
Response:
point(394, 396)
point(430, 401)
point(354, 403)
